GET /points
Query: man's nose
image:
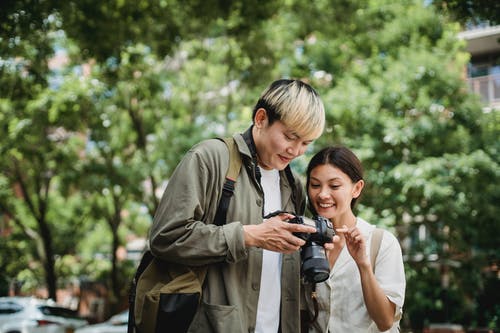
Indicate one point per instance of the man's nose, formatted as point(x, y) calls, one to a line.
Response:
point(296, 149)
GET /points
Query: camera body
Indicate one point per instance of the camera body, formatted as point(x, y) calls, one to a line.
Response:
point(314, 264)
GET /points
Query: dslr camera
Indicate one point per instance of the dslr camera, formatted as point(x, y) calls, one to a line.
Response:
point(314, 264)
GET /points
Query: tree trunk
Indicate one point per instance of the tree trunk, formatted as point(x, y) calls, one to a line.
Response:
point(47, 257)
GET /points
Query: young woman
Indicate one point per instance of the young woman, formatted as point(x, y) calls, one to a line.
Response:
point(355, 298)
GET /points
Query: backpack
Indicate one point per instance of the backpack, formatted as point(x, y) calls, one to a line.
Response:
point(375, 245)
point(377, 236)
point(165, 296)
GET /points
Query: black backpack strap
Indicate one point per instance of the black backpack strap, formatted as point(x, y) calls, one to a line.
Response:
point(231, 176)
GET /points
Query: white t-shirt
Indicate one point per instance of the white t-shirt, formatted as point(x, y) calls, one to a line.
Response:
point(340, 298)
point(268, 309)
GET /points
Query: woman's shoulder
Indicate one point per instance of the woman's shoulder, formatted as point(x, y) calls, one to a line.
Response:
point(364, 226)
point(368, 228)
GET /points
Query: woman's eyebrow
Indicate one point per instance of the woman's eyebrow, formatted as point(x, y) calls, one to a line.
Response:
point(328, 180)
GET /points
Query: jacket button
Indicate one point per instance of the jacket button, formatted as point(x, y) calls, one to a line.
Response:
point(255, 286)
point(258, 202)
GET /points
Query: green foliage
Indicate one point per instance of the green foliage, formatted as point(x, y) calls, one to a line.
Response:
point(470, 12)
point(99, 101)
point(17, 247)
point(426, 145)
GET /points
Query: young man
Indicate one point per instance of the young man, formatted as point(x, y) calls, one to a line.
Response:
point(253, 278)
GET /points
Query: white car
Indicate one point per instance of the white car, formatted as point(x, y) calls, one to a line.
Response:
point(116, 324)
point(33, 315)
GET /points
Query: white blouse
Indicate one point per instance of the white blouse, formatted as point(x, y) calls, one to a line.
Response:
point(340, 297)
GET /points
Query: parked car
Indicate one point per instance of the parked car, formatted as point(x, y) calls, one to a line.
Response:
point(33, 315)
point(116, 324)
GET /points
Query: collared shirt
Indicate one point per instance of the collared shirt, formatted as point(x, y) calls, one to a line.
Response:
point(340, 298)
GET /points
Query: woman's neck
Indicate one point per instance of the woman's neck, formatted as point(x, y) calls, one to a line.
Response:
point(348, 219)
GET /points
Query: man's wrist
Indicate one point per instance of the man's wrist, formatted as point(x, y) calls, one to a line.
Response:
point(250, 240)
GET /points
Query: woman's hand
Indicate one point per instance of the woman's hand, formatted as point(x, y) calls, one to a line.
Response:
point(379, 307)
point(356, 245)
point(336, 242)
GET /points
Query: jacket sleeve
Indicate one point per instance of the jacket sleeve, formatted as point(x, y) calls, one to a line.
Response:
point(182, 229)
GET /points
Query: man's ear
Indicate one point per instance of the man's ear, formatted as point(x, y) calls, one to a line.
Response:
point(358, 187)
point(260, 119)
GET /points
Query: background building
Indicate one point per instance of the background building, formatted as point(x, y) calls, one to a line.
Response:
point(483, 71)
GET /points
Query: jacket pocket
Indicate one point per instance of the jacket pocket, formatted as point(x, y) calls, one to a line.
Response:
point(217, 319)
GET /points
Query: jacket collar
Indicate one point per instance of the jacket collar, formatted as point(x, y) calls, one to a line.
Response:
point(249, 144)
point(248, 137)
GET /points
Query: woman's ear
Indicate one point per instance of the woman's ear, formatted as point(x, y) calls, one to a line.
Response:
point(358, 187)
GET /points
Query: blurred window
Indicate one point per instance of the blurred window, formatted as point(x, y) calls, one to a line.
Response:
point(10, 307)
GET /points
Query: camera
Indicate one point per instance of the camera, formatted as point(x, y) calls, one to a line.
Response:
point(314, 264)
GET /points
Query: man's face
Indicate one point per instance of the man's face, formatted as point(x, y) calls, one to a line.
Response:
point(277, 145)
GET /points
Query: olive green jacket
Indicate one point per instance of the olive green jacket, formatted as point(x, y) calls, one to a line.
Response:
point(183, 232)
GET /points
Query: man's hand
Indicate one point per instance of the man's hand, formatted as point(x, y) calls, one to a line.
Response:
point(276, 234)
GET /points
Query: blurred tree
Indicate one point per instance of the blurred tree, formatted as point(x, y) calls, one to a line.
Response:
point(146, 80)
point(43, 112)
point(395, 94)
point(42, 140)
point(28, 33)
point(470, 12)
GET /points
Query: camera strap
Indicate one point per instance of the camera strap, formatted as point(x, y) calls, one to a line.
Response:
point(314, 297)
point(305, 315)
point(276, 213)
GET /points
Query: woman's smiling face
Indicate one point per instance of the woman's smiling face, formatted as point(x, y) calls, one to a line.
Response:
point(331, 191)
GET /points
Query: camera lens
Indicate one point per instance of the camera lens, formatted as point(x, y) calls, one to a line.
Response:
point(315, 266)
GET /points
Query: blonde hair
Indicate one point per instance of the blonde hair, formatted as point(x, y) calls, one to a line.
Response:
point(296, 104)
